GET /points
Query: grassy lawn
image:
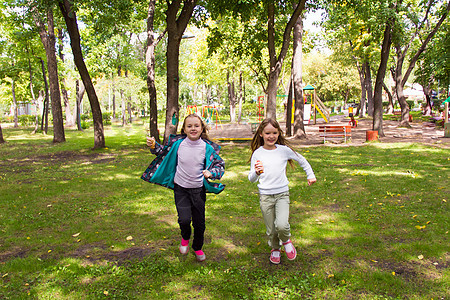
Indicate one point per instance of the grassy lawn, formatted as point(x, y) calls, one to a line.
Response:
point(81, 224)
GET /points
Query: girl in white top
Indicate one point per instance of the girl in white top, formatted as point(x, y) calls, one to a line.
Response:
point(270, 154)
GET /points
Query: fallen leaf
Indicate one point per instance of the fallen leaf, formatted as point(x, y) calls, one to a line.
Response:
point(76, 234)
point(129, 238)
point(420, 256)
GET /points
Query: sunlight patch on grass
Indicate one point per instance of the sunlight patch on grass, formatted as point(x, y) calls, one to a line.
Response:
point(230, 247)
point(380, 173)
point(230, 175)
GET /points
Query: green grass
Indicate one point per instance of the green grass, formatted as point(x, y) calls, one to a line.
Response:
point(77, 223)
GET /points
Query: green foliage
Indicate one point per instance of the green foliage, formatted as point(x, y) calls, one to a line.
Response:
point(28, 120)
point(106, 116)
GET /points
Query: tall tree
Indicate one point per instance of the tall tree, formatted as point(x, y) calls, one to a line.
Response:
point(378, 96)
point(176, 22)
point(70, 18)
point(152, 42)
point(402, 46)
point(296, 70)
point(49, 40)
point(276, 61)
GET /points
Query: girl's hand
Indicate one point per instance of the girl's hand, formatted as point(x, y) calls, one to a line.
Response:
point(207, 174)
point(259, 168)
point(151, 142)
point(311, 181)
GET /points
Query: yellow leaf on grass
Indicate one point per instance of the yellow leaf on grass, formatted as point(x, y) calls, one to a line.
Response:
point(393, 273)
point(420, 256)
point(420, 227)
point(129, 238)
point(106, 293)
point(76, 234)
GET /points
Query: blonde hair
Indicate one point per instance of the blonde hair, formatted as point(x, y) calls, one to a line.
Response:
point(258, 140)
point(204, 134)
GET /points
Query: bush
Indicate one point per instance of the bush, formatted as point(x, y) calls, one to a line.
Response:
point(85, 117)
point(85, 124)
point(106, 116)
point(26, 120)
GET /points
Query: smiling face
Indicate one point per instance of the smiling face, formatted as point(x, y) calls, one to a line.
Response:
point(193, 128)
point(270, 136)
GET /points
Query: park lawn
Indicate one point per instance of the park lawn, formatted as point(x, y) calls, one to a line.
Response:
point(77, 223)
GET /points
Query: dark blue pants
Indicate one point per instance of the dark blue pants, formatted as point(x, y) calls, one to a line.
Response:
point(190, 205)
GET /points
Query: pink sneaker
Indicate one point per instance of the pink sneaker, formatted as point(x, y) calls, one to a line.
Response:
point(275, 256)
point(184, 246)
point(200, 255)
point(291, 253)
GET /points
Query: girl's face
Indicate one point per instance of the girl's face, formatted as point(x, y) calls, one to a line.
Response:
point(270, 136)
point(193, 128)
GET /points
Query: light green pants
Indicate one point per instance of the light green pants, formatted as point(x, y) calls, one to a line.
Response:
point(275, 211)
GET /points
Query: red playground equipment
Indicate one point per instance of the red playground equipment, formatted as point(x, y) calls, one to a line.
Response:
point(352, 121)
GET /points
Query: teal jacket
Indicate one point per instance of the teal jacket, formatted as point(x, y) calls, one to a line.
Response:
point(162, 169)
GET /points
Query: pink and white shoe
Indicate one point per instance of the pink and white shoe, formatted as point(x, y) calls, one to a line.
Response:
point(184, 247)
point(275, 256)
point(200, 255)
point(291, 253)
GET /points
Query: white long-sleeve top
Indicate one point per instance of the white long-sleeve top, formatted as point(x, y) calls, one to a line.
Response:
point(274, 180)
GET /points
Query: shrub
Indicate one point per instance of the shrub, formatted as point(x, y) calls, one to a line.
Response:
point(106, 116)
point(26, 120)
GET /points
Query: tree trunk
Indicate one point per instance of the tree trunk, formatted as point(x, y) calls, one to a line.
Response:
point(175, 28)
point(231, 97)
point(390, 108)
point(428, 109)
point(72, 27)
point(404, 121)
point(79, 98)
point(150, 62)
point(241, 96)
point(49, 40)
point(277, 62)
point(296, 69)
point(15, 110)
point(378, 93)
point(289, 103)
point(369, 90)
point(70, 121)
point(45, 108)
point(33, 98)
point(130, 116)
point(2, 140)
point(124, 119)
point(360, 111)
point(38, 102)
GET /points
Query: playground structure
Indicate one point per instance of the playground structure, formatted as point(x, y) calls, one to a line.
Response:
point(208, 113)
point(315, 105)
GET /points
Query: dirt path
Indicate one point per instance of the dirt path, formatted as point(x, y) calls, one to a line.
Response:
point(420, 132)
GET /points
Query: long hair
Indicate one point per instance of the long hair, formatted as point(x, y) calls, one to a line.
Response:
point(258, 140)
point(204, 134)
